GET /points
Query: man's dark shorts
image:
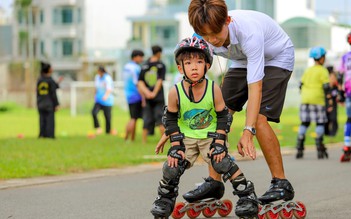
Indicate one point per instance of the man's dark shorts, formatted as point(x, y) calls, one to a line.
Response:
point(135, 110)
point(152, 113)
point(275, 82)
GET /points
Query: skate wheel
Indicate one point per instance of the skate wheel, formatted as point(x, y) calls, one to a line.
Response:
point(300, 214)
point(345, 158)
point(271, 215)
point(260, 216)
point(284, 214)
point(225, 212)
point(192, 213)
point(207, 212)
point(176, 214)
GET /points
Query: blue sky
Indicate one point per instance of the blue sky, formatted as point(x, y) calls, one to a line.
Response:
point(341, 8)
point(6, 4)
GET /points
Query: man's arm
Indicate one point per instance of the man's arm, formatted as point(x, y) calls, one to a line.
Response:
point(246, 144)
point(157, 87)
point(143, 90)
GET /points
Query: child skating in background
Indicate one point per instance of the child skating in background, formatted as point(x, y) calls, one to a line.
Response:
point(345, 70)
point(197, 122)
point(315, 101)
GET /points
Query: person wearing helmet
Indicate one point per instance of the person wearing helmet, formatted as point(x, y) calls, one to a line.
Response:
point(262, 60)
point(345, 70)
point(315, 101)
point(197, 121)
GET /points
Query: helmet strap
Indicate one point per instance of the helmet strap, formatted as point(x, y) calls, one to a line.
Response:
point(192, 84)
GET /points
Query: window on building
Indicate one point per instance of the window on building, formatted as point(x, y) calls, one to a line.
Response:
point(41, 16)
point(63, 15)
point(67, 47)
point(166, 35)
point(20, 17)
point(42, 48)
point(79, 15)
point(67, 15)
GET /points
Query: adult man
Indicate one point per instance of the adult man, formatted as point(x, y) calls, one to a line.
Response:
point(262, 58)
point(150, 85)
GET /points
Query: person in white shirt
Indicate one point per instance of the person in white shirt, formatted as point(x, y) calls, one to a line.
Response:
point(262, 57)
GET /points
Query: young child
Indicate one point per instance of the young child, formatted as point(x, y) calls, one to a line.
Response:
point(197, 122)
point(315, 89)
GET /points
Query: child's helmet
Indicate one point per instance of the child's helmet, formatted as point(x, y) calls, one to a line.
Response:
point(349, 38)
point(317, 52)
point(194, 43)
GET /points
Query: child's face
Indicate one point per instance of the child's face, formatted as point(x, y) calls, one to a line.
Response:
point(216, 39)
point(194, 67)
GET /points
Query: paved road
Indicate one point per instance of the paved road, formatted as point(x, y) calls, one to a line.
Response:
point(323, 185)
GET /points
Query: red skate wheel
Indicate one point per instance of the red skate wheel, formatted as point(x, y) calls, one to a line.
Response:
point(207, 212)
point(229, 205)
point(345, 158)
point(271, 215)
point(284, 214)
point(300, 214)
point(176, 214)
point(192, 213)
point(263, 216)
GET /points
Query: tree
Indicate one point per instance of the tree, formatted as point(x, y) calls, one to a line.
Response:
point(23, 9)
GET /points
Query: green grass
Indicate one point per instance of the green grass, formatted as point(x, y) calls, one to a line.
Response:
point(72, 151)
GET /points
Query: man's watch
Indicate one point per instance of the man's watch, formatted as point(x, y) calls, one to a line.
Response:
point(250, 129)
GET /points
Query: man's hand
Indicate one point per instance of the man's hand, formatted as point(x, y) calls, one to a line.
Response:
point(246, 145)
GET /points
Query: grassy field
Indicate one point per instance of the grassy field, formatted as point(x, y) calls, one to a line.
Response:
point(23, 155)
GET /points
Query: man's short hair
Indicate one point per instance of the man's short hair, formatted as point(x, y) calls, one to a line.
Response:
point(156, 49)
point(137, 52)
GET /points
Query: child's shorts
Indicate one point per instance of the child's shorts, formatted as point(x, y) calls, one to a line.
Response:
point(195, 147)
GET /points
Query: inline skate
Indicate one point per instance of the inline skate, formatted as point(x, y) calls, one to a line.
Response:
point(277, 202)
point(164, 203)
point(321, 149)
point(247, 205)
point(300, 146)
point(346, 156)
point(204, 199)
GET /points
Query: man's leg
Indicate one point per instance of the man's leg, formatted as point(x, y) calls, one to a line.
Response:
point(270, 147)
point(280, 188)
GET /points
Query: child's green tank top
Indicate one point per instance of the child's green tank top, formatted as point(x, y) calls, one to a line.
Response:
point(197, 118)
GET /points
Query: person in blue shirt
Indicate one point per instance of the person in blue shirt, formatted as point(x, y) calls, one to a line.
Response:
point(131, 72)
point(103, 99)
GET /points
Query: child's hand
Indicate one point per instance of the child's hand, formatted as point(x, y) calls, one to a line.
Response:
point(219, 157)
point(161, 144)
point(175, 154)
point(172, 161)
